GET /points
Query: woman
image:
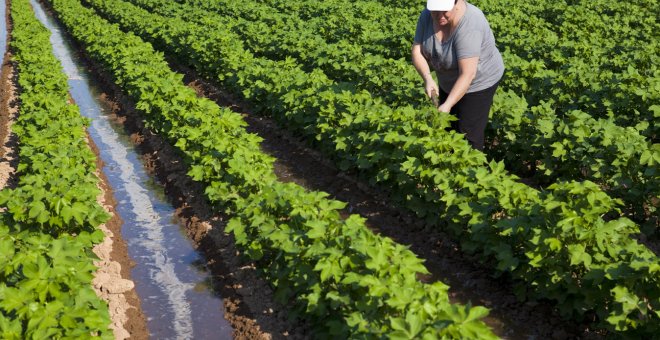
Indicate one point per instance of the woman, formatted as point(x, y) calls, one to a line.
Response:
point(455, 40)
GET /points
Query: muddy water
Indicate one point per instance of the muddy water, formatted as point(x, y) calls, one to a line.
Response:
point(169, 274)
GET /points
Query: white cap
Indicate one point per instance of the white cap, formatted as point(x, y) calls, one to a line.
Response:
point(440, 5)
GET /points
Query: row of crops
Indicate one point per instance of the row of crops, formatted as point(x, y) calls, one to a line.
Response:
point(337, 73)
point(50, 221)
point(591, 55)
point(336, 270)
point(556, 241)
point(559, 142)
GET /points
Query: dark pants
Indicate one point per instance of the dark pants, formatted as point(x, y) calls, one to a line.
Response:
point(472, 112)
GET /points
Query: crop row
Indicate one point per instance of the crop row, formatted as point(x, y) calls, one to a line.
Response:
point(573, 146)
point(341, 275)
point(594, 56)
point(278, 37)
point(605, 65)
point(50, 223)
point(366, 24)
point(607, 76)
point(599, 57)
point(555, 241)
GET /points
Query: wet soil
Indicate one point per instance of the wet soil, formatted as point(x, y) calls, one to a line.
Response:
point(112, 281)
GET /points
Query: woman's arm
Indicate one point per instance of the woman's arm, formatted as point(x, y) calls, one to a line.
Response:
point(467, 70)
point(422, 68)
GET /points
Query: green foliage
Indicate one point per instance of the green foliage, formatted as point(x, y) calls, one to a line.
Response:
point(45, 289)
point(437, 175)
point(349, 280)
point(46, 271)
point(356, 281)
point(553, 140)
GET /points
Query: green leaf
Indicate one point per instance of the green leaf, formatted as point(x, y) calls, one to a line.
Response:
point(623, 296)
point(325, 267)
point(415, 322)
point(476, 313)
point(553, 243)
point(317, 229)
point(36, 209)
point(10, 329)
point(6, 252)
point(578, 255)
point(558, 150)
point(196, 172)
point(399, 324)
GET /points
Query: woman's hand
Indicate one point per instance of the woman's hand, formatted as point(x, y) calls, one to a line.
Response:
point(430, 86)
point(444, 108)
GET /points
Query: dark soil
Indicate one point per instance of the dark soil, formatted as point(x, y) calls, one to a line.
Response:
point(8, 112)
point(7, 100)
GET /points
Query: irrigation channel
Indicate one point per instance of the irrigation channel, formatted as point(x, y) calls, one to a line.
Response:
point(169, 274)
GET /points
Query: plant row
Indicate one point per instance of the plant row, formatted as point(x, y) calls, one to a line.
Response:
point(341, 275)
point(597, 56)
point(573, 146)
point(276, 36)
point(554, 241)
point(366, 24)
point(603, 64)
point(603, 75)
point(50, 221)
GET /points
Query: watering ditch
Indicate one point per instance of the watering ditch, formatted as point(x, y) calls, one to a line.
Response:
point(170, 276)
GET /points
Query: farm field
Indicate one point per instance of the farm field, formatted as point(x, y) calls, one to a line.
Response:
point(248, 185)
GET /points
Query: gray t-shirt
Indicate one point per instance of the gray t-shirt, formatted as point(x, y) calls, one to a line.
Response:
point(473, 37)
